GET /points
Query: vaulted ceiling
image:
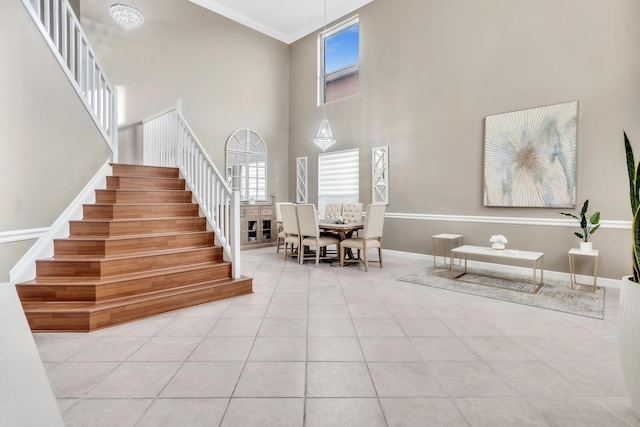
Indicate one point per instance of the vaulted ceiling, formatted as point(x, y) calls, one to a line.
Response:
point(284, 20)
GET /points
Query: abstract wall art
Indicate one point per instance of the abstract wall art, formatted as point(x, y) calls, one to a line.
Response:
point(530, 157)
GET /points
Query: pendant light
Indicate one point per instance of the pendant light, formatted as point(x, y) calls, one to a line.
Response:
point(324, 140)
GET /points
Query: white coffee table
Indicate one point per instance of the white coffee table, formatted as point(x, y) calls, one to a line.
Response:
point(537, 258)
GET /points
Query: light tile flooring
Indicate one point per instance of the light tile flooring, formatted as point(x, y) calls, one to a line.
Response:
point(340, 347)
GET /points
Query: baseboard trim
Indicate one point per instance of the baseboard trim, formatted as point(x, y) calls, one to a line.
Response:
point(504, 268)
point(21, 235)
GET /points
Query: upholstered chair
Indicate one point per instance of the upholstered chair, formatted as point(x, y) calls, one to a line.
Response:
point(310, 234)
point(371, 237)
point(333, 209)
point(280, 231)
point(290, 228)
point(352, 212)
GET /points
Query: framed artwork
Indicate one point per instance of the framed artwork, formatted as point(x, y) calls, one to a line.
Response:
point(530, 157)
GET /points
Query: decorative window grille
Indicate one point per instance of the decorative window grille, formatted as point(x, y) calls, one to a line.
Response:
point(301, 180)
point(380, 175)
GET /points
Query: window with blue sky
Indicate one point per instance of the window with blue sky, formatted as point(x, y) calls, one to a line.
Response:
point(339, 61)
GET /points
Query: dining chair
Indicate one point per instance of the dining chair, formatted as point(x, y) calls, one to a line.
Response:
point(310, 234)
point(333, 209)
point(290, 228)
point(280, 232)
point(371, 237)
point(352, 212)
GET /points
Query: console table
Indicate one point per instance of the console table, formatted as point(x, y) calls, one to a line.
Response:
point(537, 258)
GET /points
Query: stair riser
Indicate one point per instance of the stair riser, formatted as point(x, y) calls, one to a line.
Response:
point(112, 267)
point(144, 171)
point(106, 291)
point(47, 321)
point(144, 196)
point(139, 211)
point(133, 227)
point(135, 183)
point(133, 245)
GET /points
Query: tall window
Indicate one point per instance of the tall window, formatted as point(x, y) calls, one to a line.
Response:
point(338, 178)
point(247, 164)
point(339, 56)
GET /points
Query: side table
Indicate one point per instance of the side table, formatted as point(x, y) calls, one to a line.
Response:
point(444, 238)
point(575, 252)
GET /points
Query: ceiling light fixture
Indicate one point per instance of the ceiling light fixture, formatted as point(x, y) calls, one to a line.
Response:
point(127, 16)
point(324, 139)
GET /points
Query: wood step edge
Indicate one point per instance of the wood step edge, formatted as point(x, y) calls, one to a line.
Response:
point(154, 178)
point(132, 236)
point(143, 190)
point(83, 307)
point(123, 220)
point(84, 281)
point(93, 258)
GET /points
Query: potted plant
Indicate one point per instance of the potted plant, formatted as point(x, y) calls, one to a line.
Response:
point(629, 307)
point(588, 226)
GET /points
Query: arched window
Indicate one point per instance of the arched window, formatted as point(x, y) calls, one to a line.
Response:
point(247, 165)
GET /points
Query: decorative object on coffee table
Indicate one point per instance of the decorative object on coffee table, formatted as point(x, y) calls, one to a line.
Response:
point(498, 241)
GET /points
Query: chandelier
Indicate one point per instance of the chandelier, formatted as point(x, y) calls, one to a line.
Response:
point(128, 17)
point(324, 139)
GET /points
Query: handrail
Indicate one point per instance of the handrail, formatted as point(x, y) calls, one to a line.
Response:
point(69, 44)
point(168, 140)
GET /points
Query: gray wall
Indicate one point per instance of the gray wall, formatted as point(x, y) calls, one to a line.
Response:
point(50, 147)
point(431, 71)
point(227, 75)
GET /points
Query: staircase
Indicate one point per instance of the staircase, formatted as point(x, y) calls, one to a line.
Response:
point(140, 250)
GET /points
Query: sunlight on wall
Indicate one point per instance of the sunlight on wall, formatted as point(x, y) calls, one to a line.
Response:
point(122, 104)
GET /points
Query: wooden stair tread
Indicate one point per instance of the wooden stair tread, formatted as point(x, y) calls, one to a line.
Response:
point(82, 307)
point(75, 280)
point(94, 258)
point(133, 236)
point(124, 220)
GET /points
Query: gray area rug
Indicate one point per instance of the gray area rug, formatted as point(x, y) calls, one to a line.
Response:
point(554, 294)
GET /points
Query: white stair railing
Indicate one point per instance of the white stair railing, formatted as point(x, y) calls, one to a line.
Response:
point(61, 30)
point(168, 140)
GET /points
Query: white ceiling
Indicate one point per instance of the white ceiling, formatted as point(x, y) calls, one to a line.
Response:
point(284, 20)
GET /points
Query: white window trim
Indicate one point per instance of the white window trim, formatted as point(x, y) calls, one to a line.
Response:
point(321, 38)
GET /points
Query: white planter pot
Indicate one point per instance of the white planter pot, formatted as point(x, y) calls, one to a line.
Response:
point(629, 339)
point(586, 246)
point(497, 246)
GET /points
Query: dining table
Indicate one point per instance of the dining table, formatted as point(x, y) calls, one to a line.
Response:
point(345, 231)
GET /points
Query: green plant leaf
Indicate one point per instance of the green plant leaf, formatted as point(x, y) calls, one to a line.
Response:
point(593, 230)
point(571, 215)
point(579, 235)
point(636, 247)
point(632, 172)
point(595, 218)
point(585, 206)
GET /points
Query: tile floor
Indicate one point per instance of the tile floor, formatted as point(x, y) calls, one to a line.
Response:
point(340, 347)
